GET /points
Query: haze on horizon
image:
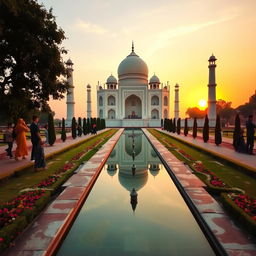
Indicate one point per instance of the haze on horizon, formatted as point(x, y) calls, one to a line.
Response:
point(174, 38)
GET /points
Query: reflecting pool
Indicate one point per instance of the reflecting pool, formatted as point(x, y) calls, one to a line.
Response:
point(135, 209)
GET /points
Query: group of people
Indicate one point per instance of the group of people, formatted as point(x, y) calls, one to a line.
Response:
point(247, 147)
point(18, 134)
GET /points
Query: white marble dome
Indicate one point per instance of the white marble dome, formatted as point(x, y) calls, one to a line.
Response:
point(154, 80)
point(132, 66)
point(111, 80)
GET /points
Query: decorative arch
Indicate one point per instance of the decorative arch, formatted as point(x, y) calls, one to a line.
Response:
point(100, 101)
point(101, 113)
point(111, 100)
point(165, 101)
point(111, 114)
point(155, 114)
point(155, 100)
point(133, 107)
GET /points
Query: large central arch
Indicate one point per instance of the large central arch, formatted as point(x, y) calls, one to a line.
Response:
point(133, 107)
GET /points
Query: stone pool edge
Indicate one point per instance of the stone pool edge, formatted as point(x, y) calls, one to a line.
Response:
point(230, 237)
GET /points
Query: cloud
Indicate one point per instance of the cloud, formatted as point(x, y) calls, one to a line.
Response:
point(90, 28)
point(164, 37)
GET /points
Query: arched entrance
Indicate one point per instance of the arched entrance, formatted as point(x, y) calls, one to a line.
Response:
point(133, 107)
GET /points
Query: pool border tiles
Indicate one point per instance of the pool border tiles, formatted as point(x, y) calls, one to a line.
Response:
point(45, 234)
point(230, 237)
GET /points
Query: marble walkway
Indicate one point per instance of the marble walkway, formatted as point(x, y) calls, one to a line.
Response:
point(233, 240)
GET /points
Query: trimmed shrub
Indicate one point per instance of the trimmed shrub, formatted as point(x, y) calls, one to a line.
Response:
point(79, 127)
point(88, 125)
point(84, 126)
point(217, 132)
point(178, 126)
point(174, 125)
point(237, 131)
point(195, 128)
point(73, 128)
point(206, 129)
point(98, 126)
point(63, 131)
point(51, 130)
point(186, 127)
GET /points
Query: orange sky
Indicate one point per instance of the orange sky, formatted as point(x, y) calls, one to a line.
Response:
point(174, 38)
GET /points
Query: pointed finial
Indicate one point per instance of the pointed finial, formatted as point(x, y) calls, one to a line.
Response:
point(132, 46)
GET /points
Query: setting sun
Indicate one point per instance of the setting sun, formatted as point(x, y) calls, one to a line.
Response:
point(202, 103)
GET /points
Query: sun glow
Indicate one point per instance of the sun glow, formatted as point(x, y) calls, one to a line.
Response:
point(202, 104)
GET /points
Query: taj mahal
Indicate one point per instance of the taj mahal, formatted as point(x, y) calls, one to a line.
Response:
point(133, 101)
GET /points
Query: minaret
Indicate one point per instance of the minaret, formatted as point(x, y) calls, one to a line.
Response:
point(89, 102)
point(70, 93)
point(212, 91)
point(176, 103)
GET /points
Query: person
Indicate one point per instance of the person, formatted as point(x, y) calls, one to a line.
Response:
point(46, 134)
point(37, 153)
point(21, 141)
point(8, 137)
point(94, 130)
point(250, 129)
point(241, 147)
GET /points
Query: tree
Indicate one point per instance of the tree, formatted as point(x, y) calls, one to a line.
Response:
point(195, 112)
point(217, 133)
point(63, 131)
point(165, 124)
point(88, 125)
point(79, 127)
point(174, 125)
point(195, 128)
point(178, 126)
point(186, 127)
point(98, 127)
point(84, 126)
point(170, 125)
point(31, 65)
point(73, 127)
point(237, 131)
point(206, 129)
point(51, 130)
point(162, 122)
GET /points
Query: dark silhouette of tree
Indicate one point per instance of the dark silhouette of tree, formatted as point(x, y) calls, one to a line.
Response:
point(84, 126)
point(218, 136)
point(51, 130)
point(98, 126)
point(237, 132)
point(63, 131)
point(186, 127)
point(195, 128)
point(174, 125)
point(73, 127)
point(206, 129)
point(79, 127)
point(178, 126)
point(31, 65)
point(195, 112)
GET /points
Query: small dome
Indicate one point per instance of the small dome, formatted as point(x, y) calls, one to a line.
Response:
point(88, 86)
point(154, 80)
point(212, 58)
point(111, 80)
point(69, 62)
point(132, 66)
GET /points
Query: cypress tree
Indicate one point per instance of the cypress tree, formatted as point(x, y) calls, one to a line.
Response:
point(195, 128)
point(84, 126)
point(174, 125)
point(178, 126)
point(88, 125)
point(162, 123)
point(186, 127)
point(218, 137)
point(104, 124)
point(165, 124)
point(206, 129)
point(63, 131)
point(73, 128)
point(170, 125)
point(98, 126)
point(51, 129)
point(79, 127)
point(237, 132)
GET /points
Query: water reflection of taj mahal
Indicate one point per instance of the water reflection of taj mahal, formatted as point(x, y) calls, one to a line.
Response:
point(133, 159)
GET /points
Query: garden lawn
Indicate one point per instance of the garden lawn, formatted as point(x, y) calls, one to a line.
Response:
point(231, 175)
point(28, 178)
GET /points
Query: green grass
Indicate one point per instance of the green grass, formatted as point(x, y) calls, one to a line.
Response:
point(12, 186)
point(231, 175)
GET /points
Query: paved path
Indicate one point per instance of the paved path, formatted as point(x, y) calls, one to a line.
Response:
point(40, 238)
point(224, 150)
point(9, 166)
point(233, 240)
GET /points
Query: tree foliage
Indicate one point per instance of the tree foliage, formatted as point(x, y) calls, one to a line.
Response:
point(178, 126)
point(195, 112)
point(237, 132)
point(174, 125)
point(186, 127)
point(63, 131)
point(51, 130)
point(31, 65)
point(217, 133)
point(73, 128)
point(206, 129)
point(194, 128)
point(84, 126)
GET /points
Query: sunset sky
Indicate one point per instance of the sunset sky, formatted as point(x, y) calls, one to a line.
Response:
point(175, 39)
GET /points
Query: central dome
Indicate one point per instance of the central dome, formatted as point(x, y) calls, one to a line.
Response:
point(132, 67)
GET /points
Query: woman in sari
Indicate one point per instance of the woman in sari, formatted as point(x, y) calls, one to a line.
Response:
point(20, 131)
